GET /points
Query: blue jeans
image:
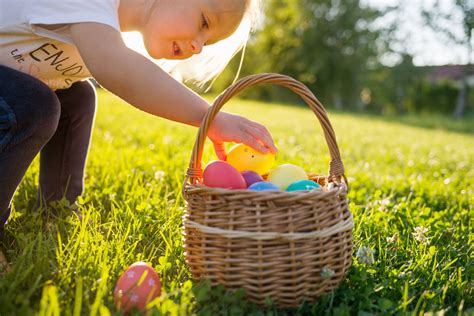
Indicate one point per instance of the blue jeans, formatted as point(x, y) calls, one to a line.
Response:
point(35, 119)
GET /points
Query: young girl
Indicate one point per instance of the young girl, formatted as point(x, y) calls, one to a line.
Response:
point(48, 47)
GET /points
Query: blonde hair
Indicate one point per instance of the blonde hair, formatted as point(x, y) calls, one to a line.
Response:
point(207, 65)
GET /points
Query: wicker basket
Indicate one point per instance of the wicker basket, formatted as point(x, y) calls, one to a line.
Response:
point(288, 246)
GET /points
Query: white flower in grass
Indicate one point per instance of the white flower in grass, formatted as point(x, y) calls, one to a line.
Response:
point(383, 204)
point(380, 205)
point(366, 254)
point(392, 239)
point(108, 136)
point(327, 273)
point(402, 274)
point(419, 233)
point(167, 139)
point(159, 175)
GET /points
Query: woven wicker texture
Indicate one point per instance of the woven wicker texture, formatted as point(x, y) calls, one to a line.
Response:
point(281, 245)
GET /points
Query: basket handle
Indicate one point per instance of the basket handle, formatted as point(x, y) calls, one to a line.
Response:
point(336, 167)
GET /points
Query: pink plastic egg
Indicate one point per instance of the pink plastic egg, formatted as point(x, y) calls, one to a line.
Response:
point(136, 287)
point(220, 174)
point(251, 177)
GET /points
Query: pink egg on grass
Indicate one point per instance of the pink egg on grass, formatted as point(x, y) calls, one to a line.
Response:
point(220, 174)
point(136, 287)
point(251, 177)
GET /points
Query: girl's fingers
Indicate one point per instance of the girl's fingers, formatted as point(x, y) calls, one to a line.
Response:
point(234, 128)
point(261, 133)
point(268, 141)
point(219, 148)
point(251, 141)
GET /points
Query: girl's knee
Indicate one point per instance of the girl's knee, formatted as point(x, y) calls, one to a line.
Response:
point(85, 95)
point(45, 117)
point(33, 108)
point(36, 108)
point(37, 112)
point(85, 90)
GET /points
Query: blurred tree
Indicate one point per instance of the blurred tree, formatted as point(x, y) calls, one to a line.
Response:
point(404, 77)
point(393, 89)
point(442, 22)
point(327, 44)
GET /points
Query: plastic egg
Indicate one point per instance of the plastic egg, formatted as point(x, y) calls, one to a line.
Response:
point(220, 174)
point(264, 186)
point(136, 287)
point(284, 175)
point(243, 157)
point(303, 185)
point(251, 177)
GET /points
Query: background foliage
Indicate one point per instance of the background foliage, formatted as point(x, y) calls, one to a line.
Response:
point(336, 47)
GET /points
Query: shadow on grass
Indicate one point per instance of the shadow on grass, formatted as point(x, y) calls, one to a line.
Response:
point(355, 293)
point(216, 300)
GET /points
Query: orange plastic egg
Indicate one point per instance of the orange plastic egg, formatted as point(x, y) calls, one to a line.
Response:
point(136, 287)
point(220, 174)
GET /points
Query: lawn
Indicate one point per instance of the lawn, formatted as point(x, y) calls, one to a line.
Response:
point(411, 193)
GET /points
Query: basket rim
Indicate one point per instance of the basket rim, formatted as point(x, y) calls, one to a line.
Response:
point(338, 188)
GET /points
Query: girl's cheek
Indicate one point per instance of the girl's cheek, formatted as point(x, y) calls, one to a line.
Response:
point(152, 45)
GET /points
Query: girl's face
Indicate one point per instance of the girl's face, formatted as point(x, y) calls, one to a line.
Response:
point(178, 29)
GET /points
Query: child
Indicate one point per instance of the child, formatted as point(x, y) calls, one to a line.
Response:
point(47, 47)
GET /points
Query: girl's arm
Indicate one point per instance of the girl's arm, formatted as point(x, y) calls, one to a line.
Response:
point(146, 86)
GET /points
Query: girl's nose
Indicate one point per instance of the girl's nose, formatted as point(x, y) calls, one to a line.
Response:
point(196, 46)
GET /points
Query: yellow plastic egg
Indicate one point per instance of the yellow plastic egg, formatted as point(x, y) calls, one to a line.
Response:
point(245, 158)
point(283, 175)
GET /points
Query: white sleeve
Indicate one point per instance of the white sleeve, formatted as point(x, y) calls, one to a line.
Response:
point(48, 12)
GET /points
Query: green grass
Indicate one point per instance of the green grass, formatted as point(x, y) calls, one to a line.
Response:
point(401, 176)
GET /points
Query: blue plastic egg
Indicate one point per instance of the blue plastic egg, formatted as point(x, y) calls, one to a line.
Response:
point(303, 185)
point(263, 186)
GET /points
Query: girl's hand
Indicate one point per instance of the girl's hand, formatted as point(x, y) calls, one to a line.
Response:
point(227, 127)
